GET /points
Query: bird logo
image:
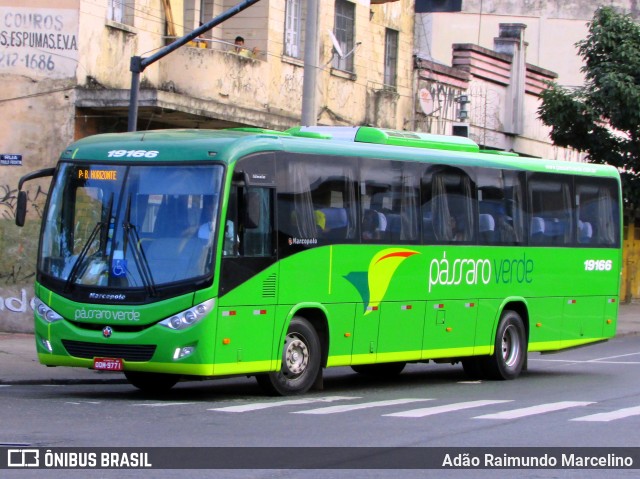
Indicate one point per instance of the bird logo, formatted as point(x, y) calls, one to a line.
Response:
point(373, 284)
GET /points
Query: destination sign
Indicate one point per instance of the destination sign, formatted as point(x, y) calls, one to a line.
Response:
point(84, 174)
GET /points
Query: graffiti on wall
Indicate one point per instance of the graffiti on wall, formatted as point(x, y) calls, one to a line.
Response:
point(18, 246)
point(18, 250)
point(437, 102)
point(18, 303)
point(9, 200)
point(485, 113)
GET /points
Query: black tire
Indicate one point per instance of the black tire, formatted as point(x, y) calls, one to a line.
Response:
point(382, 370)
point(152, 382)
point(510, 351)
point(301, 362)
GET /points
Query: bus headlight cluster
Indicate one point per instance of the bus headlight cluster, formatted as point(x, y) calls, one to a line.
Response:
point(189, 317)
point(45, 312)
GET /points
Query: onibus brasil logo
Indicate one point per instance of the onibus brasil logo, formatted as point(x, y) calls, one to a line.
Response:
point(373, 284)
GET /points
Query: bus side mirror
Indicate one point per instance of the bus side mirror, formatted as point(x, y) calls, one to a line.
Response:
point(21, 208)
point(252, 210)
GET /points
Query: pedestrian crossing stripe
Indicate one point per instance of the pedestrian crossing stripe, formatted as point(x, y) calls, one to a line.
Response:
point(611, 415)
point(429, 411)
point(355, 407)
point(288, 402)
point(534, 410)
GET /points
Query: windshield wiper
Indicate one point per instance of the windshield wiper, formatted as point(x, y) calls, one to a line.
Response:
point(100, 227)
point(131, 235)
point(76, 266)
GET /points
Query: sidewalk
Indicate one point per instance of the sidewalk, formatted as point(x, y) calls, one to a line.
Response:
point(19, 363)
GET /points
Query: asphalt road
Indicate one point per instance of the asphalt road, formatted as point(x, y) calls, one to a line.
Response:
point(587, 397)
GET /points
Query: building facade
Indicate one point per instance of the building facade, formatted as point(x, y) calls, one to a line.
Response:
point(499, 55)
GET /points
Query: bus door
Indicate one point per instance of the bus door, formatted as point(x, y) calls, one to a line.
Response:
point(248, 280)
point(450, 328)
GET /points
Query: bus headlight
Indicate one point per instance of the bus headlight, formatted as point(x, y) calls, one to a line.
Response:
point(188, 317)
point(45, 312)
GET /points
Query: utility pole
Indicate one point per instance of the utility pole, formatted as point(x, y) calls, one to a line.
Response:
point(310, 81)
point(138, 64)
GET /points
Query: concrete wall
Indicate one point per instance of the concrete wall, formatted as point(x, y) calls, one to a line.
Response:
point(39, 47)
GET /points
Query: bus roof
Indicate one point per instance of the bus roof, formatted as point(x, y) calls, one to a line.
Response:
point(231, 144)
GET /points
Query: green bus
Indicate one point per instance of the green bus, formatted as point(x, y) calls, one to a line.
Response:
point(199, 254)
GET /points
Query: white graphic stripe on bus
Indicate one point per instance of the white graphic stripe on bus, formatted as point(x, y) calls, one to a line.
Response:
point(430, 411)
point(611, 416)
point(289, 402)
point(533, 410)
point(355, 407)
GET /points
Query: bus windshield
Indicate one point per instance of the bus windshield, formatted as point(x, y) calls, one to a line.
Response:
point(130, 226)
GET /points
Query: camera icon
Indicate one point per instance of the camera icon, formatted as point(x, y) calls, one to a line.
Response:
point(23, 458)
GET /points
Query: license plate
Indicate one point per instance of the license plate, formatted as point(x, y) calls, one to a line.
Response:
point(107, 364)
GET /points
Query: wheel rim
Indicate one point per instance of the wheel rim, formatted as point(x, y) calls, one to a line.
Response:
point(510, 346)
point(295, 357)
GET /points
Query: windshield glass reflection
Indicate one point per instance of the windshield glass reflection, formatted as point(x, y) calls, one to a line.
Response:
point(131, 226)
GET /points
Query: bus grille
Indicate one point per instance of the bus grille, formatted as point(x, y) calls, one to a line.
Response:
point(127, 352)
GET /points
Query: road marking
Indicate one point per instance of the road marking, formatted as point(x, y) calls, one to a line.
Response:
point(584, 361)
point(611, 416)
point(355, 407)
point(429, 411)
point(604, 360)
point(82, 402)
point(163, 404)
point(289, 402)
point(533, 410)
point(615, 357)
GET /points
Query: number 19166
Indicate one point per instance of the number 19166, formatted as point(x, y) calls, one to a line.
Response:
point(598, 265)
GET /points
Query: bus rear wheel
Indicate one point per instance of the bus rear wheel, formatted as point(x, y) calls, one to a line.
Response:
point(152, 382)
point(510, 349)
point(300, 362)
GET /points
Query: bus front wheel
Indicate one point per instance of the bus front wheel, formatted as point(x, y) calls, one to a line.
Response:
point(300, 361)
point(510, 348)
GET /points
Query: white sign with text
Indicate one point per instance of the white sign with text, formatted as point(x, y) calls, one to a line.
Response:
point(38, 41)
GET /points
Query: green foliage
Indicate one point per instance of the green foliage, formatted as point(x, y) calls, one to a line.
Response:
point(602, 118)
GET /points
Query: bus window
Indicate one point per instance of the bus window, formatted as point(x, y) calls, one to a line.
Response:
point(500, 207)
point(388, 201)
point(256, 237)
point(448, 209)
point(597, 212)
point(316, 200)
point(551, 210)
